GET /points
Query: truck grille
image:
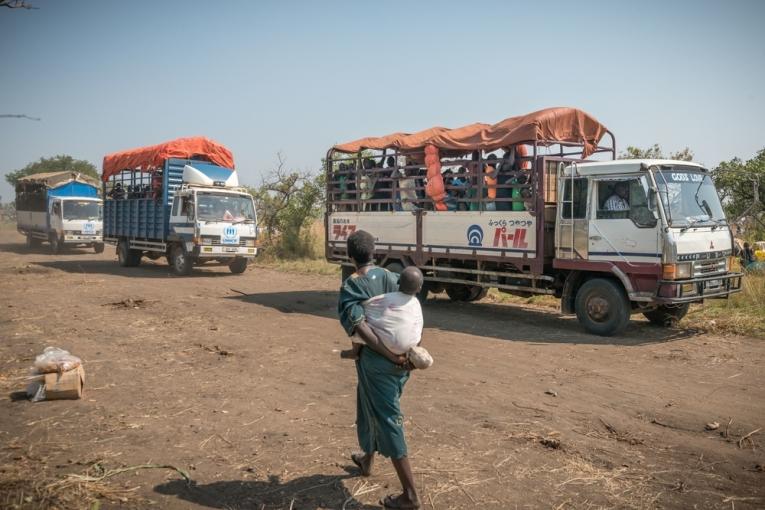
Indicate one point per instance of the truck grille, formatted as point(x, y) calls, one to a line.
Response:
point(708, 267)
point(215, 240)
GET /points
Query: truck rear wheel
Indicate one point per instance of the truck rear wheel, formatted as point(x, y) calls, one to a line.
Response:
point(55, 244)
point(182, 263)
point(32, 242)
point(478, 293)
point(667, 315)
point(602, 307)
point(462, 292)
point(126, 256)
point(98, 247)
point(238, 265)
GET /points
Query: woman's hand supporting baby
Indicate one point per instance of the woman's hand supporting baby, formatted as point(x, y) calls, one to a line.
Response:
point(374, 343)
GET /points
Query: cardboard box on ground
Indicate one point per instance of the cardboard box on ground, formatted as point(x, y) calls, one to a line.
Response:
point(56, 375)
point(65, 385)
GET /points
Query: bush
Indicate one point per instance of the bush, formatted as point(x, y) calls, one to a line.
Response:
point(288, 204)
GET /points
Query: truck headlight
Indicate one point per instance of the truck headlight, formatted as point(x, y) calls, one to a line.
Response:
point(676, 271)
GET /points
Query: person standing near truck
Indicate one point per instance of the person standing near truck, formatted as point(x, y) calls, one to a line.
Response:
point(381, 374)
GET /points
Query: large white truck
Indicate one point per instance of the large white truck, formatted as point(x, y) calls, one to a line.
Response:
point(608, 238)
point(61, 208)
point(180, 200)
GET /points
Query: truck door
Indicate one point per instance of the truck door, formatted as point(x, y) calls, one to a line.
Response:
point(571, 230)
point(56, 217)
point(182, 217)
point(623, 228)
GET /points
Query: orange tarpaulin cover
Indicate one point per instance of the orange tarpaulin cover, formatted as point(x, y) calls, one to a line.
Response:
point(153, 157)
point(370, 142)
point(551, 125)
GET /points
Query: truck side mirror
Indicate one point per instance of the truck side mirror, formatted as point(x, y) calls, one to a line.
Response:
point(652, 205)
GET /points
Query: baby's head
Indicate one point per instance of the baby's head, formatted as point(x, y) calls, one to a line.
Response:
point(410, 281)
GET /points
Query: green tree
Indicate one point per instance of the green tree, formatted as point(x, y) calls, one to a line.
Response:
point(288, 203)
point(741, 185)
point(58, 163)
point(655, 152)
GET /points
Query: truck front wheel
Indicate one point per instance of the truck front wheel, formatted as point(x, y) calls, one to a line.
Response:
point(55, 244)
point(238, 265)
point(667, 315)
point(602, 307)
point(126, 256)
point(182, 263)
point(98, 247)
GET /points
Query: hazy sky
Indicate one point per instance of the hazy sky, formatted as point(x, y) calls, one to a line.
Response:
point(262, 77)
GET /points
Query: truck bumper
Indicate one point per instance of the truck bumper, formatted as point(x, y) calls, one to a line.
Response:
point(698, 289)
point(80, 239)
point(219, 252)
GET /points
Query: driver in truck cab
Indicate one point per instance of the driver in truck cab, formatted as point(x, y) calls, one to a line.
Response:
point(619, 201)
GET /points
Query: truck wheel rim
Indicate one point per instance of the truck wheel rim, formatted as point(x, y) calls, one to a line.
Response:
point(598, 308)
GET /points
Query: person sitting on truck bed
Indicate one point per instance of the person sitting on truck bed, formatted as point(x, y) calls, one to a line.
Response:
point(619, 200)
point(407, 193)
point(384, 189)
point(367, 184)
point(490, 183)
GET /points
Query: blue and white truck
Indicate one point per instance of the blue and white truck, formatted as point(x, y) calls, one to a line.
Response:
point(180, 200)
point(61, 208)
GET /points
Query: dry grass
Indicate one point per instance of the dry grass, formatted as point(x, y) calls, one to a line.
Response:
point(25, 485)
point(538, 300)
point(742, 314)
point(303, 266)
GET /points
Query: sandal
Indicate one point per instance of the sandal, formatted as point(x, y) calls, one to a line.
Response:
point(392, 501)
point(357, 458)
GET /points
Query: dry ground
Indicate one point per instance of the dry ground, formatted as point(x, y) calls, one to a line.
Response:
point(247, 395)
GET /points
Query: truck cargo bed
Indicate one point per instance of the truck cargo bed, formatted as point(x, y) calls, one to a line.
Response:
point(145, 218)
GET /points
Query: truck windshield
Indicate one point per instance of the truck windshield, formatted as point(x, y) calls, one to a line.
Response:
point(82, 210)
point(215, 207)
point(689, 197)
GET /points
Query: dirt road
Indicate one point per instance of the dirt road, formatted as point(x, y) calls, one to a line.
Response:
point(248, 395)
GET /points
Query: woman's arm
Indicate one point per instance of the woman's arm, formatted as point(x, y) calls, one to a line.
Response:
point(374, 343)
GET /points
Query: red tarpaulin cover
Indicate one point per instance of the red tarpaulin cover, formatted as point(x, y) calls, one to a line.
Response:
point(547, 126)
point(153, 157)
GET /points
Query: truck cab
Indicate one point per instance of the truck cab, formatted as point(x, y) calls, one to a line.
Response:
point(656, 226)
point(76, 221)
point(213, 223)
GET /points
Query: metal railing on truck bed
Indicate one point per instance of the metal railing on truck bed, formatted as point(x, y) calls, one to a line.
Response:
point(137, 204)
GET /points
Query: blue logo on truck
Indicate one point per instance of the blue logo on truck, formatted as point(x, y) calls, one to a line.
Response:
point(475, 235)
point(230, 235)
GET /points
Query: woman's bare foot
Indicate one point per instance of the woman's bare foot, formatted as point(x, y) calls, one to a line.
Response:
point(364, 462)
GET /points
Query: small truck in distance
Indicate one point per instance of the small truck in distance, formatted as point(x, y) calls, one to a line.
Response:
point(61, 208)
point(180, 200)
